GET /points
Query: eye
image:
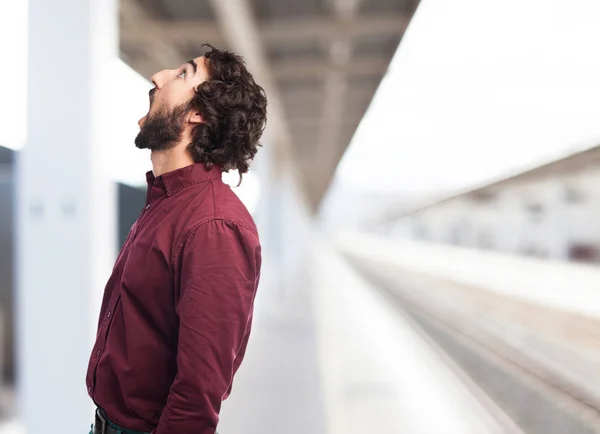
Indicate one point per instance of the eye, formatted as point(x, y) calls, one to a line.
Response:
point(182, 74)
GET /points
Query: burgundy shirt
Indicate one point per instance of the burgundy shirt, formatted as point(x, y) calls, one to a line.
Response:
point(177, 308)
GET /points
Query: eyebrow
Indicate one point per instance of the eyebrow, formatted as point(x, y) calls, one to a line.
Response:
point(194, 65)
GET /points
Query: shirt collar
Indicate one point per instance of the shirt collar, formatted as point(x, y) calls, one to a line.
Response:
point(176, 180)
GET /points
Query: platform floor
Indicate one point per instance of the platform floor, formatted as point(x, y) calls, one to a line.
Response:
point(330, 355)
point(380, 374)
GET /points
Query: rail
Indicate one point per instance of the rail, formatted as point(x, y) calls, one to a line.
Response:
point(549, 391)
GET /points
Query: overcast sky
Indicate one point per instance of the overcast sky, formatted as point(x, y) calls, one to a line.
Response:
point(478, 89)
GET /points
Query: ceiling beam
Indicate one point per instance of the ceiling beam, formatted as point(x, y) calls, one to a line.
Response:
point(288, 70)
point(326, 29)
point(298, 69)
point(160, 52)
point(331, 109)
point(361, 93)
point(332, 112)
point(310, 110)
point(351, 119)
point(240, 28)
point(274, 33)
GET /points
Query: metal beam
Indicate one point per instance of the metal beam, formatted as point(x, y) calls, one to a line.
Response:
point(300, 109)
point(288, 70)
point(328, 29)
point(275, 33)
point(336, 85)
point(241, 30)
point(355, 93)
point(297, 69)
point(131, 13)
point(162, 52)
point(339, 78)
point(352, 119)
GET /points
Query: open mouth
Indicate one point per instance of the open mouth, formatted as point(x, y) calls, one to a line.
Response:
point(152, 95)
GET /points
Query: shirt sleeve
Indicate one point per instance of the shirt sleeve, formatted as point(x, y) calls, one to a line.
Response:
point(219, 269)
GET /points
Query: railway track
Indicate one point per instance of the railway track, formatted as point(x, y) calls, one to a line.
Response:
point(526, 393)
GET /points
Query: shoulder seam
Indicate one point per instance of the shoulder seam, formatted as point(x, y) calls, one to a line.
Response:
point(197, 226)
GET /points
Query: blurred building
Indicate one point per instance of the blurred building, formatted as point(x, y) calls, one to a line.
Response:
point(551, 211)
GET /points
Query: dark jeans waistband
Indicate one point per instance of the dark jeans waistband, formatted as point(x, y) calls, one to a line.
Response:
point(113, 425)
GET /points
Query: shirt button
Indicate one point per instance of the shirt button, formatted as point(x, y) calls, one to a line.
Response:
point(108, 314)
point(148, 206)
point(90, 389)
point(98, 352)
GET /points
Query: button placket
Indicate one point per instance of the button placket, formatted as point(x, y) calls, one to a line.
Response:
point(104, 328)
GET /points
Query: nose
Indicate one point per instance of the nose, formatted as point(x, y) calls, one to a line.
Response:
point(157, 79)
point(161, 77)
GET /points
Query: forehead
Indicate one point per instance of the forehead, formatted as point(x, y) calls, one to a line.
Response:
point(202, 71)
point(200, 61)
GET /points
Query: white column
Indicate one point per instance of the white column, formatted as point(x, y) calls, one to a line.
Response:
point(66, 216)
point(261, 166)
point(268, 218)
point(284, 226)
point(295, 230)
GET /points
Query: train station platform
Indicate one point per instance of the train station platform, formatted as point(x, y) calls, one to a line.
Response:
point(386, 336)
point(524, 330)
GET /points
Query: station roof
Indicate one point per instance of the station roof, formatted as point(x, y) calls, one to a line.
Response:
point(320, 62)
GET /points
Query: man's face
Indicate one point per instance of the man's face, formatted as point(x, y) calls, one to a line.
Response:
point(168, 116)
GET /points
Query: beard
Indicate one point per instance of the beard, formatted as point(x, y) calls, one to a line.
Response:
point(162, 130)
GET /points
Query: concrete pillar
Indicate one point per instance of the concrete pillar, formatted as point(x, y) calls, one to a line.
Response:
point(266, 218)
point(295, 230)
point(284, 225)
point(66, 211)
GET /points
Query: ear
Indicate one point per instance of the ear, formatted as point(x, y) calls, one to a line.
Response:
point(195, 118)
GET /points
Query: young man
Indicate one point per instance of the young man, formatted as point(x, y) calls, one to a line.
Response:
point(177, 309)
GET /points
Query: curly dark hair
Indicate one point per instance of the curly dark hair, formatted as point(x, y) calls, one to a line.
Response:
point(234, 110)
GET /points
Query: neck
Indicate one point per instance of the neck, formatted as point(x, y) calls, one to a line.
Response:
point(169, 160)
